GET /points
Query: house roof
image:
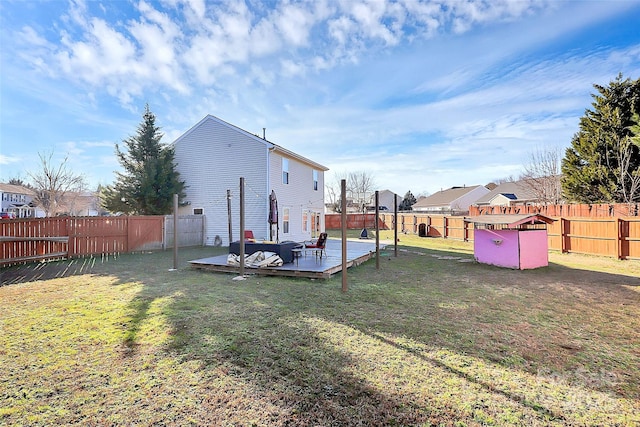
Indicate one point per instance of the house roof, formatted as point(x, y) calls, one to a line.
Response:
point(515, 190)
point(510, 196)
point(270, 145)
point(15, 189)
point(444, 197)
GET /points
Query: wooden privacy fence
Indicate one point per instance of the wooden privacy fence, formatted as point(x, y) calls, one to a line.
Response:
point(614, 236)
point(24, 240)
point(600, 210)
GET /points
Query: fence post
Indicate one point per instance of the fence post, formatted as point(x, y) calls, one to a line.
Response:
point(620, 237)
point(563, 232)
point(395, 229)
point(445, 226)
point(175, 231)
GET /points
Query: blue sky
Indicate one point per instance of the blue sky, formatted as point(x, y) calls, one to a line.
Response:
point(423, 95)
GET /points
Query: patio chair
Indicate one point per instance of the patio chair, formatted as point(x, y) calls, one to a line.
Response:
point(248, 236)
point(317, 246)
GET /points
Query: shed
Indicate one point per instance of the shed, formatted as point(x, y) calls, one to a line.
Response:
point(512, 241)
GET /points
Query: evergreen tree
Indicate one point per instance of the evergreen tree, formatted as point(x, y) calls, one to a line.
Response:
point(601, 156)
point(149, 180)
point(408, 201)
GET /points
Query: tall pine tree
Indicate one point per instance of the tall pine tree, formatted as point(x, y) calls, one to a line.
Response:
point(601, 156)
point(408, 201)
point(149, 180)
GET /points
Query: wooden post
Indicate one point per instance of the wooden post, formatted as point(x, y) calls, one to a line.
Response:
point(343, 216)
point(377, 231)
point(620, 238)
point(229, 216)
point(465, 226)
point(395, 225)
point(445, 225)
point(242, 226)
point(563, 232)
point(175, 231)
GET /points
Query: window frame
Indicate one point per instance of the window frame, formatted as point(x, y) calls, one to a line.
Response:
point(286, 220)
point(285, 171)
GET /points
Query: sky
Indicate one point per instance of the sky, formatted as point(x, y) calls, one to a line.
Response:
point(422, 95)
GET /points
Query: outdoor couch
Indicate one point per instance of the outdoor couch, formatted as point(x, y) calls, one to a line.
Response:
point(282, 249)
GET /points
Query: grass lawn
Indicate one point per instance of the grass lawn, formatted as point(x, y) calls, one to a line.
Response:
point(429, 339)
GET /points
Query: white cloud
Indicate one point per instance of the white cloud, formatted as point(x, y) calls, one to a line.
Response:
point(7, 160)
point(403, 87)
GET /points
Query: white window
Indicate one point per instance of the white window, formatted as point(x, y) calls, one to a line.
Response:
point(285, 221)
point(285, 171)
point(315, 180)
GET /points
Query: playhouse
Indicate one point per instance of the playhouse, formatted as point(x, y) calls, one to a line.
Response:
point(511, 241)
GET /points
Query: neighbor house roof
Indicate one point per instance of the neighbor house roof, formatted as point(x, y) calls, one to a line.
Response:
point(15, 189)
point(516, 191)
point(444, 197)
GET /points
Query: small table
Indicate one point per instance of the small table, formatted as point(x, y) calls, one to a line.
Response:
point(296, 253)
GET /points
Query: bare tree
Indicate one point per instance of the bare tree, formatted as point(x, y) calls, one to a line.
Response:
point(629, 176)
point(332, 194)
point(542, 175)
point(502, 180)
point(53, 183)
point(360, 189)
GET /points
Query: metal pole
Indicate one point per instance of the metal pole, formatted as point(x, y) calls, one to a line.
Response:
point(229, 216)
point(395, 225)
point(343, 205)
point(175, 231)
point(377, 232)
point(241, 226)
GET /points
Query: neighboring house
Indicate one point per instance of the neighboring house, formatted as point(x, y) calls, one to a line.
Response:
point(453, 201)
point(386, 199)
point(213, 155)
point(508, 194)
point(18, 201)
point(79, 204)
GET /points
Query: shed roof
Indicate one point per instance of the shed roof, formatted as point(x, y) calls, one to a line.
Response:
point(510, 221)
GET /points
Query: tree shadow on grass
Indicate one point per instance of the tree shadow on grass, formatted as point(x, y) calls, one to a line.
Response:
point(254, 332)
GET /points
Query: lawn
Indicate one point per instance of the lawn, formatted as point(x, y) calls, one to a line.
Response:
point(429, 339)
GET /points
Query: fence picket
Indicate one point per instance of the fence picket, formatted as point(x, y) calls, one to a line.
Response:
point(613, 236)
point(23, 240)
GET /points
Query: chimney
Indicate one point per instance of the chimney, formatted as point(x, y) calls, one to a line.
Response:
point(264, 133)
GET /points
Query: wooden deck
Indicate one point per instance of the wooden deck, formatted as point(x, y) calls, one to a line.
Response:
point(309, 265)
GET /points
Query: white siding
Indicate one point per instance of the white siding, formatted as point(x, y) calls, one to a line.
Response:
point(463, 203)
point(211, 158)
point(213, 155)
point(298, 195)
point(386, 198)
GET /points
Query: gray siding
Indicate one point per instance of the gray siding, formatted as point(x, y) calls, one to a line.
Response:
point(211, 158)
point(298, 195)
point(213, 155)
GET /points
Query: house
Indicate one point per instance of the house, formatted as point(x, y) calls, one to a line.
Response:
point(17, 201)
point(509, 194)
point(386, 200)
point(453, 201)
point(80, 203)
point(213, 155)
